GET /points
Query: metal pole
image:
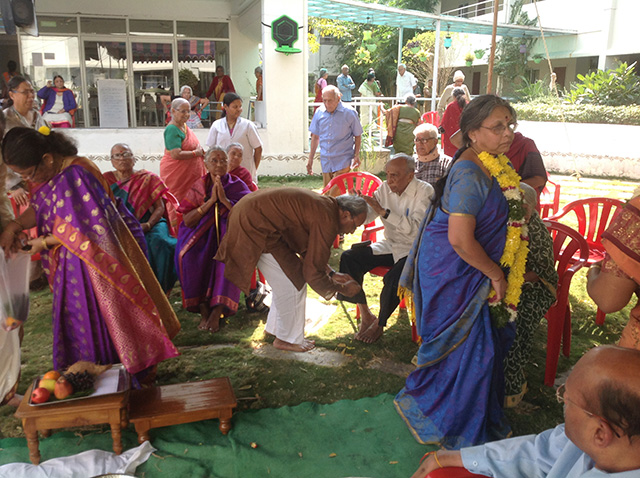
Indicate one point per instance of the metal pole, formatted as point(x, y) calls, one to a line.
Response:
point(492, 55)
point(436, 67)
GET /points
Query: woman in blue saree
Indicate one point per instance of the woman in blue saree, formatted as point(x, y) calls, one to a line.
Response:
point(205, 210)
point(454, 397)
point(144, 193)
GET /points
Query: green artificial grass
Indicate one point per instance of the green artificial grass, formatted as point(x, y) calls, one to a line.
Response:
point(261, 382)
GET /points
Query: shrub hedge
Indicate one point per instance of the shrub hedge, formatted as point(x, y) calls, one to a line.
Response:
point(569, 113)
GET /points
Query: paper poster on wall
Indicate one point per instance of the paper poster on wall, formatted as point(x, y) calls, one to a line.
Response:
point(112, 104)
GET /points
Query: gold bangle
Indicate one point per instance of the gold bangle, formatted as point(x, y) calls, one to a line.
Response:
point(200, 210)
point(45, 246)
point(435, 455)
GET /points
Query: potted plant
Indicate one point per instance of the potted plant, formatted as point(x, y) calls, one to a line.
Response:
point(468, 58)
point(413, 46)
point(537, 58)
point(479, 53)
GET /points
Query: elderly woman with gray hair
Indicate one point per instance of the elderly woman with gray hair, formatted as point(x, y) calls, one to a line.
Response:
point(196, 103)
point(447, 95)
point(538, 294)
point(181, 165)
point(205, 208)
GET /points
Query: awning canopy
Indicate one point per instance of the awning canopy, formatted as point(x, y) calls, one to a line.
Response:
point(188, 50)
point(375, 14)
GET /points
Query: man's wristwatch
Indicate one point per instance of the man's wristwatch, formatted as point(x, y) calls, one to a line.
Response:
point(386, 214)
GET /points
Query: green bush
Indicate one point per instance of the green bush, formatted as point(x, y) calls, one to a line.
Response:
point(618, 87)
point(572, 113)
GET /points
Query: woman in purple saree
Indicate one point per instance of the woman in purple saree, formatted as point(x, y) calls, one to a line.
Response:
point(205, 210)
point(454, 397)
point(107, 304)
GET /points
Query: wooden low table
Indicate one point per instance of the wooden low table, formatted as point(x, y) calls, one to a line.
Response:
point(111, 409)
point(182, 403)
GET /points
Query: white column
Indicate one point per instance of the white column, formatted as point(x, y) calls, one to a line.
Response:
point(608, 14)
point(285, 86)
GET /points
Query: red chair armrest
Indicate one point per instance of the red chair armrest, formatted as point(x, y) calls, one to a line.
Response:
point(368, 231)
point(453, 472)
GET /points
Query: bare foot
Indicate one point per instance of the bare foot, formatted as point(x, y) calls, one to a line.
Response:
point(205, 312)
point(305, 346)
point(372, 334)
point(213, 322)
point(15, 400)
point(366, 320)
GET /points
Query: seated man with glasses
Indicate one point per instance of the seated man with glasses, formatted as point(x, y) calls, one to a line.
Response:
point(401, 203)
point(600, 436)
point(431, 166)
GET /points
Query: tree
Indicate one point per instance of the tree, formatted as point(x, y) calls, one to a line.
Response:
point(510, 64)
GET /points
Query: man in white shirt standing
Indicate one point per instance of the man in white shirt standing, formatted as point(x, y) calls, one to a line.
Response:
point(401, 203)
point(405, 82)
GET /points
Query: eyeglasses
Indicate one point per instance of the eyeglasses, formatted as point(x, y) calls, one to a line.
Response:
point(422, 140)
point(25, 92)
point(216, 161)
point(121, 156)
point(562, 399)
point(501, 128)
point(183, 111)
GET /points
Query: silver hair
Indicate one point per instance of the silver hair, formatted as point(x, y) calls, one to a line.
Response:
point(409, 160)
point(426, 128)
point(458, 74)
point(530, 196)
point(334, 89)
point(234, 145)
point(354, 204)
point(410, 100)
point(185, 87)
point(177, 102)
point(213, 149)
point(258, 69)
point(124, 145)
point(402, 65)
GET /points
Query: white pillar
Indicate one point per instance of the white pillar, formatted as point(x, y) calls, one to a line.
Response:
point(436, 67)
point(608, 14)
point(285, 87)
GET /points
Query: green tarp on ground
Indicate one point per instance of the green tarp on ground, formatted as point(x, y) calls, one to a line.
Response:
point(362, 438)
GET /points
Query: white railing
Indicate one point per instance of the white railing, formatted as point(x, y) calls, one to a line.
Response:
point(475, 9)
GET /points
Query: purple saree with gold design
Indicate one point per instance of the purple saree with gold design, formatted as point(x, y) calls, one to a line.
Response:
point(107, 305)
point(201, 277)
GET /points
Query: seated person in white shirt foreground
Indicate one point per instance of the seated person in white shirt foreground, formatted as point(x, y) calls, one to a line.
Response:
point(401, 203)
point(600, 436)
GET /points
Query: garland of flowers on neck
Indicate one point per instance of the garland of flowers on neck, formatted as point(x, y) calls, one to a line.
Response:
point(516, 248)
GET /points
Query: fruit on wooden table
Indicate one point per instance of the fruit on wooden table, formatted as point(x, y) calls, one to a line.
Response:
point(52, 375)
point(63, 388)
point(40, 395)
point(49, 384)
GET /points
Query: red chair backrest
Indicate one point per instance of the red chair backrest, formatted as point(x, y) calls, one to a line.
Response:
point(566, 243)
point(452, 472)
point(431, 117)
point(361, 181)
point(593, 215)
point(549, 199)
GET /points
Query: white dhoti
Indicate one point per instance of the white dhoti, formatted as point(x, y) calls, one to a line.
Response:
point(286, 317)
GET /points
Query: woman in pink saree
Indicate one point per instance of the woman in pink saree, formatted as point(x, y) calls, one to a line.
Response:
point(182, 163)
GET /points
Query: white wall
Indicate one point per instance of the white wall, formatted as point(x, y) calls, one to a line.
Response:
point(244, 38)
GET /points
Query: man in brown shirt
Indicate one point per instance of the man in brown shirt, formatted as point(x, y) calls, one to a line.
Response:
point(288, 233)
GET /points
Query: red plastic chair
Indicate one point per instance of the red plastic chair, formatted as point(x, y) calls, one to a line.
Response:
point(549, 199)
point(570, 251)
point(594, 216)
point(361, 181)
point(431, 117)
point(453, 472)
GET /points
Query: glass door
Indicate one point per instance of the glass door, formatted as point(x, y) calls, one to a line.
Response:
point(152, 80)
point(104, 60)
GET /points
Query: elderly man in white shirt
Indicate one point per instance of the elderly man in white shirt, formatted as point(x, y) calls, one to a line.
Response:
point(401, 202)
point(405, 82)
